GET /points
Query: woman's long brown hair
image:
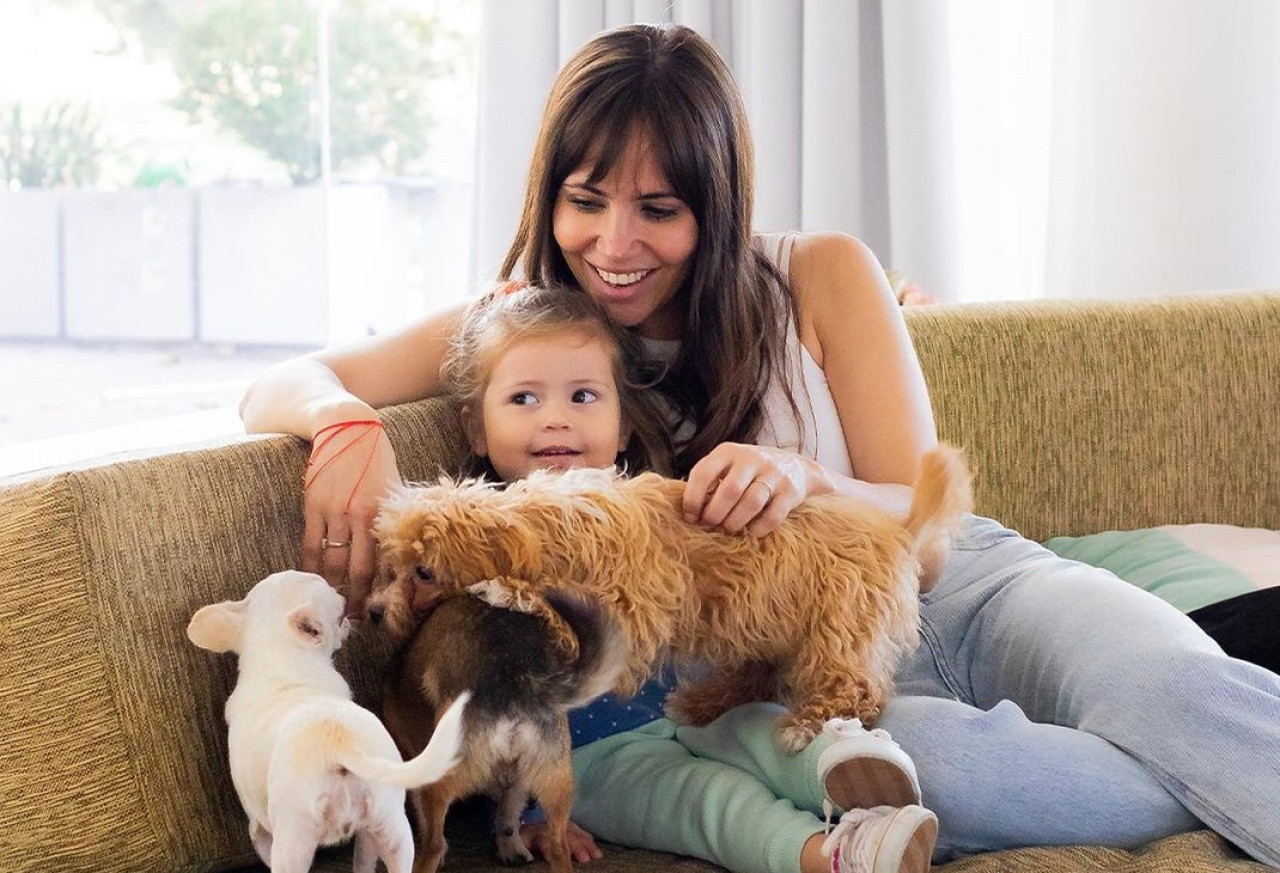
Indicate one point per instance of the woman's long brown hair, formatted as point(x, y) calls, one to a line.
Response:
point(668, 82)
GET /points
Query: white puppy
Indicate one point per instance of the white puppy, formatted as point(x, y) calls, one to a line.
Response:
point(311, 767)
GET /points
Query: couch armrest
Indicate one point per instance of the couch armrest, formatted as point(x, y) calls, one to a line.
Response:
point(1088, 416)
point(111, 729)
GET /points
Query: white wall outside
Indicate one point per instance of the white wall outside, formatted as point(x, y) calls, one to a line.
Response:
point(29, 304)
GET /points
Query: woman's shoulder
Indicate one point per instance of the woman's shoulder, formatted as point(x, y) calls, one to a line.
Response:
point(809, 252)
point(836, 279)
point(826, 249)
point(833, 269)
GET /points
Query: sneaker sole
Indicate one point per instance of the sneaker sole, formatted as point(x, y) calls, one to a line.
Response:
point(865, 782)
point(916, 856)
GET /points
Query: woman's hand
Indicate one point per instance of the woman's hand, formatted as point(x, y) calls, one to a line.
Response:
point(744, 487)
point(582, 846)
point(352, 467)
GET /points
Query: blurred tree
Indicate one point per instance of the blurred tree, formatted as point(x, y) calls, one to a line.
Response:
point(250, 66)
point(59, 145)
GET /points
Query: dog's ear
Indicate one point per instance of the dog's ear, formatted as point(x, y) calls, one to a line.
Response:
point(308, 628)
point(218, 627)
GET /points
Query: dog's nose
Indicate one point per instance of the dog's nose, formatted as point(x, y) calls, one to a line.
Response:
point(375, 614)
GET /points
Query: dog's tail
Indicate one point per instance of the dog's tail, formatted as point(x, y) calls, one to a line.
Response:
point(602, 651)
point(433, 763)
point(943, 494)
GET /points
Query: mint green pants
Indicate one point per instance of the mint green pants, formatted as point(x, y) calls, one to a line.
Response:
point(723, 793)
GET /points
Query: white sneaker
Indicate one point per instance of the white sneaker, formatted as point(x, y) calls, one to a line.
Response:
point(865, 768)
point(883, 840)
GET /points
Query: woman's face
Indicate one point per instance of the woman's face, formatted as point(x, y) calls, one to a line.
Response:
point(628, 240)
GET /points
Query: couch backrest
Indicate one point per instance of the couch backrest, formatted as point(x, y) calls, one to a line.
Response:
point(1089, 416)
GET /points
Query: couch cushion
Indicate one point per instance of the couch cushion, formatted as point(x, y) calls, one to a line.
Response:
point(1104, 415)
point(1190, 566)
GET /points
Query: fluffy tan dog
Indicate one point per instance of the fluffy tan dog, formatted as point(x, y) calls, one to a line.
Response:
point(815, 614)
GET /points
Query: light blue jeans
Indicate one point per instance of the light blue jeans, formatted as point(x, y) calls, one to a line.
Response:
point(1052, 703)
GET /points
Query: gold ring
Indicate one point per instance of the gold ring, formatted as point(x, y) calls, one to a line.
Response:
point(326, 543)
point(767, 486)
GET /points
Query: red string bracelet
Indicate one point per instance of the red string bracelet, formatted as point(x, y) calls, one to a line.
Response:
point(365, 469)
point(326, 435)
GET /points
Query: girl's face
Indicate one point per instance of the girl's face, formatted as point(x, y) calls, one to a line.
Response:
point(551, 402)
point(628, 240)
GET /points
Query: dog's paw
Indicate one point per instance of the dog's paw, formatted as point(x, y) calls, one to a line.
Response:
point(795, 734)
point(512, 851)
point(494, 593)
point(684, 707)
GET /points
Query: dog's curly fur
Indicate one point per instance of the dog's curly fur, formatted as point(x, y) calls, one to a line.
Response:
point(815, 614)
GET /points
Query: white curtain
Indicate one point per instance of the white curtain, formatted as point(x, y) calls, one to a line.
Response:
point(848, 101)
point(1166, 177)
point(1117, 148)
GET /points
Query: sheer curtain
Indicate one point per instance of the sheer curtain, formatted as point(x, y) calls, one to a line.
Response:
point(848, 101)
point(1116, 148)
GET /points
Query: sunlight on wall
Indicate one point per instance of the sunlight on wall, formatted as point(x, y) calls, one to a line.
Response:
point(1002, 56)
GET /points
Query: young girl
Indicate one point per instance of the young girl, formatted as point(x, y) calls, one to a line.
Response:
point(544, 379)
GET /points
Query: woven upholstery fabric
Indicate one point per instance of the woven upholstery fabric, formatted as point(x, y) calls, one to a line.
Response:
point(67, 776)
point(1196, 852)
point(1080, 417)
point(1088, 416)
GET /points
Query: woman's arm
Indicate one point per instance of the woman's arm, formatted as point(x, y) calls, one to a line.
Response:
point(851, 323)
point(302, 395)
point(352, 467)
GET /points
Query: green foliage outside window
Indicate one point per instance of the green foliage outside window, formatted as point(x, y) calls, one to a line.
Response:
point(59, 144)
point(251, 67)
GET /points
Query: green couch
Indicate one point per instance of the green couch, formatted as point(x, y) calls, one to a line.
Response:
point(1078, 417)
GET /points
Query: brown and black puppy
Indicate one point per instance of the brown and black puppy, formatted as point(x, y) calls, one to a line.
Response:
point(524, 680)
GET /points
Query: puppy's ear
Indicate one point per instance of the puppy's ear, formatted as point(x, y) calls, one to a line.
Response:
point(218, 627)
point(307, 627)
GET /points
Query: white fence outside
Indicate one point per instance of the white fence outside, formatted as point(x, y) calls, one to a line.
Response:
point(229, 265)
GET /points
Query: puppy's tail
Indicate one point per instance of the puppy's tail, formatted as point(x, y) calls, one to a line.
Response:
point(433, 763)
point(943, 494)
point(602, 651)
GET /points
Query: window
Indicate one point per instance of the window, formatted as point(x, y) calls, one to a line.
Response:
point(192, 189)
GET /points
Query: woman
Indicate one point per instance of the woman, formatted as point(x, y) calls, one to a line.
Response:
point(1048, 703)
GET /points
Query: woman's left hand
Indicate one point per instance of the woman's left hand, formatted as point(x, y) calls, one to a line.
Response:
point(753, 488)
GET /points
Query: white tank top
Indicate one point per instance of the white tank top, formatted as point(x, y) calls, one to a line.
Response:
point(818, 433)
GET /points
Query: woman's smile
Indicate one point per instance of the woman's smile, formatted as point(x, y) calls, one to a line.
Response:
point(628, 240)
